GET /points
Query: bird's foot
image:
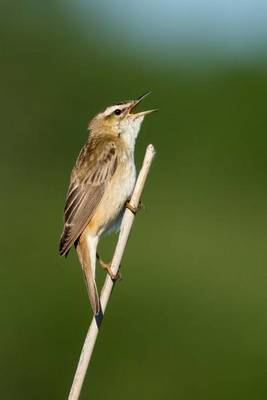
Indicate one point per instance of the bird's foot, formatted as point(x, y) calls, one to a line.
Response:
point(134, 210)
point(107, 266)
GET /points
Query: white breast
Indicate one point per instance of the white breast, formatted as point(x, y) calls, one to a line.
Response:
point(117, 193)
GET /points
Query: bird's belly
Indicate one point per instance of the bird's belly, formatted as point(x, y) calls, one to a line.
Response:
point(109, 213)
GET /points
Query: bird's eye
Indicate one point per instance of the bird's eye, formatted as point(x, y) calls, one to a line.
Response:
point(117, 111)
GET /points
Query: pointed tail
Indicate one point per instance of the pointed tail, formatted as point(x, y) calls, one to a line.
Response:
point(87, 259)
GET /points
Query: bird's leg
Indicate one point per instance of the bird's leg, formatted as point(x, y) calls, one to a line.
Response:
point(134, 210)
point(107, 267)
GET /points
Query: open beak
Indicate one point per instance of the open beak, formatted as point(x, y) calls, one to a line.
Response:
point(135, 104)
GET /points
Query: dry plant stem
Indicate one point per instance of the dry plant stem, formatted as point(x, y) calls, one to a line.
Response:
point(126, 226)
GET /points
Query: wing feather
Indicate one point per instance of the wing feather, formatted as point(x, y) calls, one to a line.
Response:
point(94, 168)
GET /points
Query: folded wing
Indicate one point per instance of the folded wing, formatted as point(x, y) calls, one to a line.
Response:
point(94, 168)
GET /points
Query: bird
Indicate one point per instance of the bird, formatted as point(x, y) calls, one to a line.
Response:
point(101, 184)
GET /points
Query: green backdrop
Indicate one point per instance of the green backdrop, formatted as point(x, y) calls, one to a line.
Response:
point(189, 319)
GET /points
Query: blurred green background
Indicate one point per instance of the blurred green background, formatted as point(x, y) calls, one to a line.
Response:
point(189, 319)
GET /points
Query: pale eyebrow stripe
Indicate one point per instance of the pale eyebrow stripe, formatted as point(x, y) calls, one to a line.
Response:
point(112, 108)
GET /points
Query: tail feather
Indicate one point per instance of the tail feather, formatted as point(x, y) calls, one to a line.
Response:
point(88, 267)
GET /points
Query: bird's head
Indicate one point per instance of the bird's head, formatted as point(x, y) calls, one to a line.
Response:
point(120, 119)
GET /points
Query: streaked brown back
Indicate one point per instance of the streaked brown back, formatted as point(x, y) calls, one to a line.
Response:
point(94, 168)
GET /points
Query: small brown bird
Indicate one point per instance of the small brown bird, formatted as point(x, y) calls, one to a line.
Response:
point(101, 182)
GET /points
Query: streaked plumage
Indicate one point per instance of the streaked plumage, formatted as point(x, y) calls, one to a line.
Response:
point(101, 182)
point(93, 170)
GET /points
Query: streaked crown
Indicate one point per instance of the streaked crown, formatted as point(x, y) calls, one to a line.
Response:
point(120, 119)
